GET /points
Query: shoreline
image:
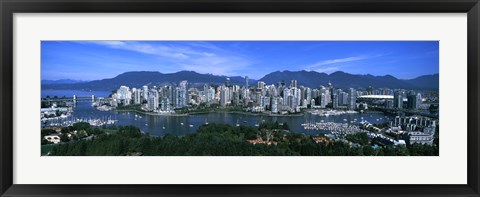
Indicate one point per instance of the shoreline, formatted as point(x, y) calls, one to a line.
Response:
point(149, 113)
point(235, 112)
point(195, 113)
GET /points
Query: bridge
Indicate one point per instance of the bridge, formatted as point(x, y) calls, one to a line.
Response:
point(76, 99)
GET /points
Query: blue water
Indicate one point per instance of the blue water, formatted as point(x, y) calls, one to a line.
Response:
point(70, 93)
point(161, 125)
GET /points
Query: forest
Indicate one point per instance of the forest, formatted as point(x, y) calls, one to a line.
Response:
point(273, 139)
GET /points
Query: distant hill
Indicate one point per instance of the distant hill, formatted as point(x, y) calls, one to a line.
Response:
point(346, 80)
point(426, 81)
point(150, 78)
point(62, 81)
point(305, 78)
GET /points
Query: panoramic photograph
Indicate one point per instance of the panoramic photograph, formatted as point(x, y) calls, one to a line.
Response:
point(239, 98)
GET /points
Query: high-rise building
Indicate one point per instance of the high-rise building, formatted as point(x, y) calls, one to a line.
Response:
point(414, 100)
point(274, 105)
point(137, 96)
point(227, 82)
point(182, 94)
point(352, 99)
point(286, 93)
point(264, 101)
point(246, 82)
point(124, 95)
point(335, 100)
point(344, 98)
point(294, 84)
point(323, 100)
point(308, 94)
point(398, 100)
point(153, 100)
point(145, 92)
point(419, 100)
point(260, 85)
point(223, 96)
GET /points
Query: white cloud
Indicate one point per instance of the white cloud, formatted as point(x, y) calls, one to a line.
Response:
point(320, 65)
point(160, 50)
point(336, 61)
point(327, 70)
point(199, 57)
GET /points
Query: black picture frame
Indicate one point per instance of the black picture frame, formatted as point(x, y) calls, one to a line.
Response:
point(10, 7)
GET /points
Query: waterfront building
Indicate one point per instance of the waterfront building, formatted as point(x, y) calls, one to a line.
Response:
point(260, 85)
point(211, 94)
point(425, 136)
point(227, 82)
point(312, 103)
point(153, 100)
point(286, 93)
point(272, 91)
point(181, 95)
point(236, 97)
point(398, 100)
point(293, 84)
point(137, 96)
point(305, 103)
point(323, 100)
point(265, 102)
point(223, 96)
point(419, 100)
point(335, 101)
point(124, 95)
point(412, 101)
point(145, 92)
point(297, 98)
point(352, 99)
point(165, 104)
point(274, 105)
point(308, 94)
point(344, 98)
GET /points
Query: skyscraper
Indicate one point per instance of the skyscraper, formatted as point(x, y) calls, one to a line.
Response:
point(137, 96)
point(335, 100)
point(260, 85)
point(124, 95)
point(223, 96)
point(414, 100)
point(182, 94)
point(145, 92)
point(352, 99)
point(227, 82)
point(294, 84)
point(398, 100)
point(274, 105)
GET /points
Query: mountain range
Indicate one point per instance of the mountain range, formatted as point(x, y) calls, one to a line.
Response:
point(305, 78)
point(62, 81)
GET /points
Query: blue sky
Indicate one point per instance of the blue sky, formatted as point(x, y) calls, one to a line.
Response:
point(91, 60)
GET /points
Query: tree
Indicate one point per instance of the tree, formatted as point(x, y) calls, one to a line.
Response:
point(46, 132)
point(81, 126)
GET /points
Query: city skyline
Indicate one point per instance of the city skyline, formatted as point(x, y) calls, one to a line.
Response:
point(93, 60)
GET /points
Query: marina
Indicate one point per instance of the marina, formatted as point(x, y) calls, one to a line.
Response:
point(334, 128)
point(181, 125)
